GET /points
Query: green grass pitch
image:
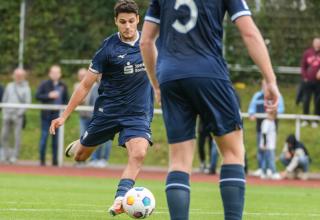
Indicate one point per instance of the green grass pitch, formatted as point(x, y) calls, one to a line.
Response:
point(26, 197)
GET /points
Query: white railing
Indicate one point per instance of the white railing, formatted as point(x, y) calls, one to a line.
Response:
point(297, 117)
point(232, 67)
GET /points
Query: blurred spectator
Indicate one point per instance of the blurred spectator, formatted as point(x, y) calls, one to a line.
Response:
point(268, 141)
point(213, 159)
point(17, 91)
point(1, 93)
point(295, 157)
point(310, 66)
point(52, 91)
point(101, 156)
point(257, 106)
point(203, 136)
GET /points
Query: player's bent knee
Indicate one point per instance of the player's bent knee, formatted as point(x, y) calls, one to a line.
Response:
point(139, 155)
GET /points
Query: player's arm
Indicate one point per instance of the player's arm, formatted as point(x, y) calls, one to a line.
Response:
point(150, 33)
point(259, 54)
point(78, 95)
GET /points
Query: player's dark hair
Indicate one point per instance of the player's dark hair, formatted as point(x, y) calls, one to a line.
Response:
point(126, 6)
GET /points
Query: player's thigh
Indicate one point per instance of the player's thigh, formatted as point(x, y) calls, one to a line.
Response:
point(84, 150)
point(231, 147)
point(101, 129)
point(178, 112)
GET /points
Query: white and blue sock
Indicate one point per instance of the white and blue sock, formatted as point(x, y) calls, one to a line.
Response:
point(178, 195)
point(232, 189)
point(124, 186)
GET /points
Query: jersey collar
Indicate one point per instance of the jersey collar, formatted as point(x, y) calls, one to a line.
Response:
point(131, 43)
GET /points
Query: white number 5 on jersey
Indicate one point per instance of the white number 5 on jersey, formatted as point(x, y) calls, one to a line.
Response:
point(185, 28)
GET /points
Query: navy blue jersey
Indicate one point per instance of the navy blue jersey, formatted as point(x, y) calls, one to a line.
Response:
point(125, 88)
point(191, 32)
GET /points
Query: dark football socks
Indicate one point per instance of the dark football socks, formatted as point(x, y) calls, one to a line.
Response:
point(124, 186)
point(232, 189)
point(178, 195)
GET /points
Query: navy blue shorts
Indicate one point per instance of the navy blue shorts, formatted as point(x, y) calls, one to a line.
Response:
point(103, 128)
point(213, 99)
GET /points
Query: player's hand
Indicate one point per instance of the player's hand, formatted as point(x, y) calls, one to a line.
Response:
point(56, 123)
point(271, 97)
point(157, 95)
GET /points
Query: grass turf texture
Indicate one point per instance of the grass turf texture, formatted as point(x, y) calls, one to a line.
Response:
point(25, 197)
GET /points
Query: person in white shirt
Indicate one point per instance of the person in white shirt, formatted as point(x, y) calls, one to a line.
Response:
point(268, 142)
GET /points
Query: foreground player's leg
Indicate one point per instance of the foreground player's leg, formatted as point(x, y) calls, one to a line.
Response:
point(79, 152)
point(137, 150)
point(232, 176)
point(177, 185)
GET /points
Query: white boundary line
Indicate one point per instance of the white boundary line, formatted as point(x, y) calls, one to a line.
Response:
point(192, 211)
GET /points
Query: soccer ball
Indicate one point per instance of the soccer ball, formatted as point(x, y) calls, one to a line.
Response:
point(138, 202)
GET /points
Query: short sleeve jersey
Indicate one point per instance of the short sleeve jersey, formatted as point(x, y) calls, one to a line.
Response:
point(124, 88)
point(191, 32)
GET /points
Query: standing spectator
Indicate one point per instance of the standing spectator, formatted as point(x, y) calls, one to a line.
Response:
point(257, 105)
point(51, 91)
point(268, 143)
point(203, 136)
point(1, 93)
point(19, 92)
point(295, 155)
point(101, 155)
point(310, 66)
point(85, 116)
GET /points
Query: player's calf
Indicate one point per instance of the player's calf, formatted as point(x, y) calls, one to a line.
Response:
point(79, 152)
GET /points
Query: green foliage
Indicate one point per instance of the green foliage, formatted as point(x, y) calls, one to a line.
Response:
point(9, 34)
point(55, 30)
point(74, 29)
point(288, 31)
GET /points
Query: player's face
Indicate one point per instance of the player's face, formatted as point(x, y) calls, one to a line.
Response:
point(127, 25)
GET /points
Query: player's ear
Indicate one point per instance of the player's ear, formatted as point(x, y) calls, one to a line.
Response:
point(138, 19)
point(115, 20)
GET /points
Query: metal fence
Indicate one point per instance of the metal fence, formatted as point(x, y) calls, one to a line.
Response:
point(297, 117)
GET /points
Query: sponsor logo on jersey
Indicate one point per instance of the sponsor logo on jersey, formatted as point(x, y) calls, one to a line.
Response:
point(133, 68)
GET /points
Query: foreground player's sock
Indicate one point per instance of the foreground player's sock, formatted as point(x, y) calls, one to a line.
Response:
point(232, 188)
point(124, 186)
point(178, 195)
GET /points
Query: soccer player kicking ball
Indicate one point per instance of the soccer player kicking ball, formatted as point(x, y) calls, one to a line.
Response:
point(193, 79)
point(125, 103)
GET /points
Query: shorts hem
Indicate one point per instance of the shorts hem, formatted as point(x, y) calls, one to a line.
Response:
point(123, 143)
point(178, 140)
point(238, 126)
point(92, 145)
